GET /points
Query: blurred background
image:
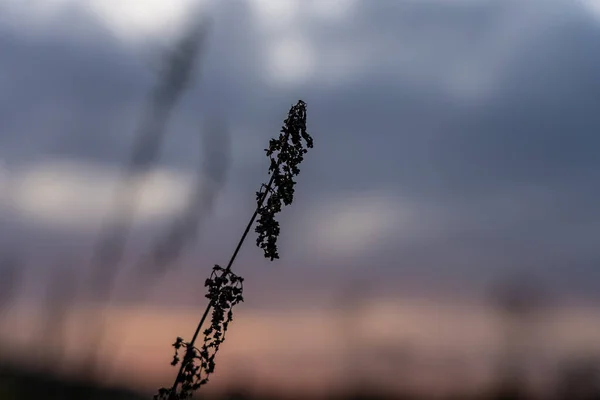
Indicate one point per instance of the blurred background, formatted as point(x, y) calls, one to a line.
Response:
point(445, 237)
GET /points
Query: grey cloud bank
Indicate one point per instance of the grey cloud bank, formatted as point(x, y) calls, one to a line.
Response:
point(462, 134)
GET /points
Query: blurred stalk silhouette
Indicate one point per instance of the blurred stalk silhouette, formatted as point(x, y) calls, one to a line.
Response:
point(517, 299)
point(210, 179)
point(108, 253)
point(11, 273)
point(11, 278)
point(167, 250)
point(60, 294)
point(351, 302)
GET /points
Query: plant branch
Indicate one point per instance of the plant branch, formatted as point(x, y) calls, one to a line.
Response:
point(227, 269)
point(224, 287)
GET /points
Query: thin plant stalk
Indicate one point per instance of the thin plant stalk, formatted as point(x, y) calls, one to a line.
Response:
point(225, 288)
point(227, 269)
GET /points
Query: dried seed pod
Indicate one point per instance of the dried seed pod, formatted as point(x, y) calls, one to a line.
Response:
point(286, 153)
point(224, 291)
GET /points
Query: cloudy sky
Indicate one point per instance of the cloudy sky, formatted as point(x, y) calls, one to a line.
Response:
point(456, 141)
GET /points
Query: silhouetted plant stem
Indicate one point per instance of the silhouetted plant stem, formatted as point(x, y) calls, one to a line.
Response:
point(225, 288)
point(227, 269)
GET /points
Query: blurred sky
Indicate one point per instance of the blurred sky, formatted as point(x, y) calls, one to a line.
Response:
point(456, 141)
